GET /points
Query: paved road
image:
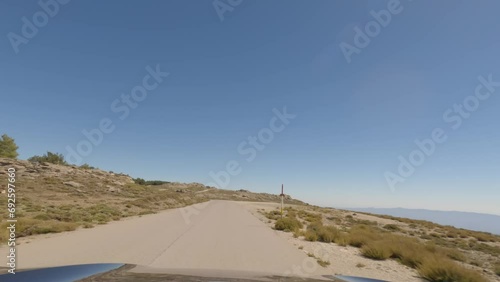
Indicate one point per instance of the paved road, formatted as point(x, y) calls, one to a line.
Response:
point(218, 235)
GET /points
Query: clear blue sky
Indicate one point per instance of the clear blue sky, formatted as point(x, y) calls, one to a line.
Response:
point(352, 121)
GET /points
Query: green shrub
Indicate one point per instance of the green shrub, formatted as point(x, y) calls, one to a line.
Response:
point(309, 217)
point(156, 182)
point(485, 237)
point(274, 215)
point(311, 236)
point(8, 147)
point(342, 240)
point(315, 226)
point(359, 235)
point(366, 222)
point(496, 269)
point(408, 251)
point(392, 227)
point(139, 181)
point(323, 263)
point(438, 269)
point(485, 248)
point(42, 216)
point(28, 226)
point(328, 234)
point(454, 254)
point(49, 157)
point(86, 166)
point(375, 251)
point(291, 214)
point(297, 233)
point(287, 224)
point(435, 235)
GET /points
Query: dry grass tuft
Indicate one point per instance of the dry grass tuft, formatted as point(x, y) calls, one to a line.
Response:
point(288, 224)
point(439, 269)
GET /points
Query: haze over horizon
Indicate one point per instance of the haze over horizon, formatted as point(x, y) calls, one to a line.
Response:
point(270, 101)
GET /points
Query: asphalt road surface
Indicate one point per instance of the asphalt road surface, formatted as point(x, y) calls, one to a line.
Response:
point(218, 235)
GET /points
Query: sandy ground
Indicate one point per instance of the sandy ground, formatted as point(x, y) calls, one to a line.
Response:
point(218, 236)
point(343, 260)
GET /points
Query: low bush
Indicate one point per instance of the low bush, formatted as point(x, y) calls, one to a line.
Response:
point(496, 268)
point(139, 181)
point(309, 217)
point(274, 215)
point(86, 166)
point(392, 227)
point(359, 235)
point(454, 254)
point(316, 231)
point(375, 251)
point(409, 251)
point(342, 240)
point(156, 182)
point(328, 234)
point(440, 269)
point(366, 222)
point(49, 157)
point(29, 226)
point(311, 236)
point(287, 224)
point(485, 248)
point(323, 263)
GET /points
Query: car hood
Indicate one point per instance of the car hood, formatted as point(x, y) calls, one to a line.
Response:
point(114, 272)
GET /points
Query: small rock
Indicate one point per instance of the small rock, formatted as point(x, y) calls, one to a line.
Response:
point(114, 189)
point(73, 184)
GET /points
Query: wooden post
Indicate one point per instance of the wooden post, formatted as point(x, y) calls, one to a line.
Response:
point(282, 197)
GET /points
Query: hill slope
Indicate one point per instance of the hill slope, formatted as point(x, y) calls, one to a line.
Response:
point(54, 198)
point(468, 220)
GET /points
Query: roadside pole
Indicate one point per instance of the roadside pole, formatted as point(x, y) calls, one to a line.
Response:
point(282, 196)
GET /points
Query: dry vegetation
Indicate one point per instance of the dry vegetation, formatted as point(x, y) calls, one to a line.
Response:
point(55, 198)
point(438, 253)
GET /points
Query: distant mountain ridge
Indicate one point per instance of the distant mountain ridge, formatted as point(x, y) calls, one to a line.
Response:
point(467, 220)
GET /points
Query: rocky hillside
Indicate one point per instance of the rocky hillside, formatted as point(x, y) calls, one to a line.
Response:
point(55, 198)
